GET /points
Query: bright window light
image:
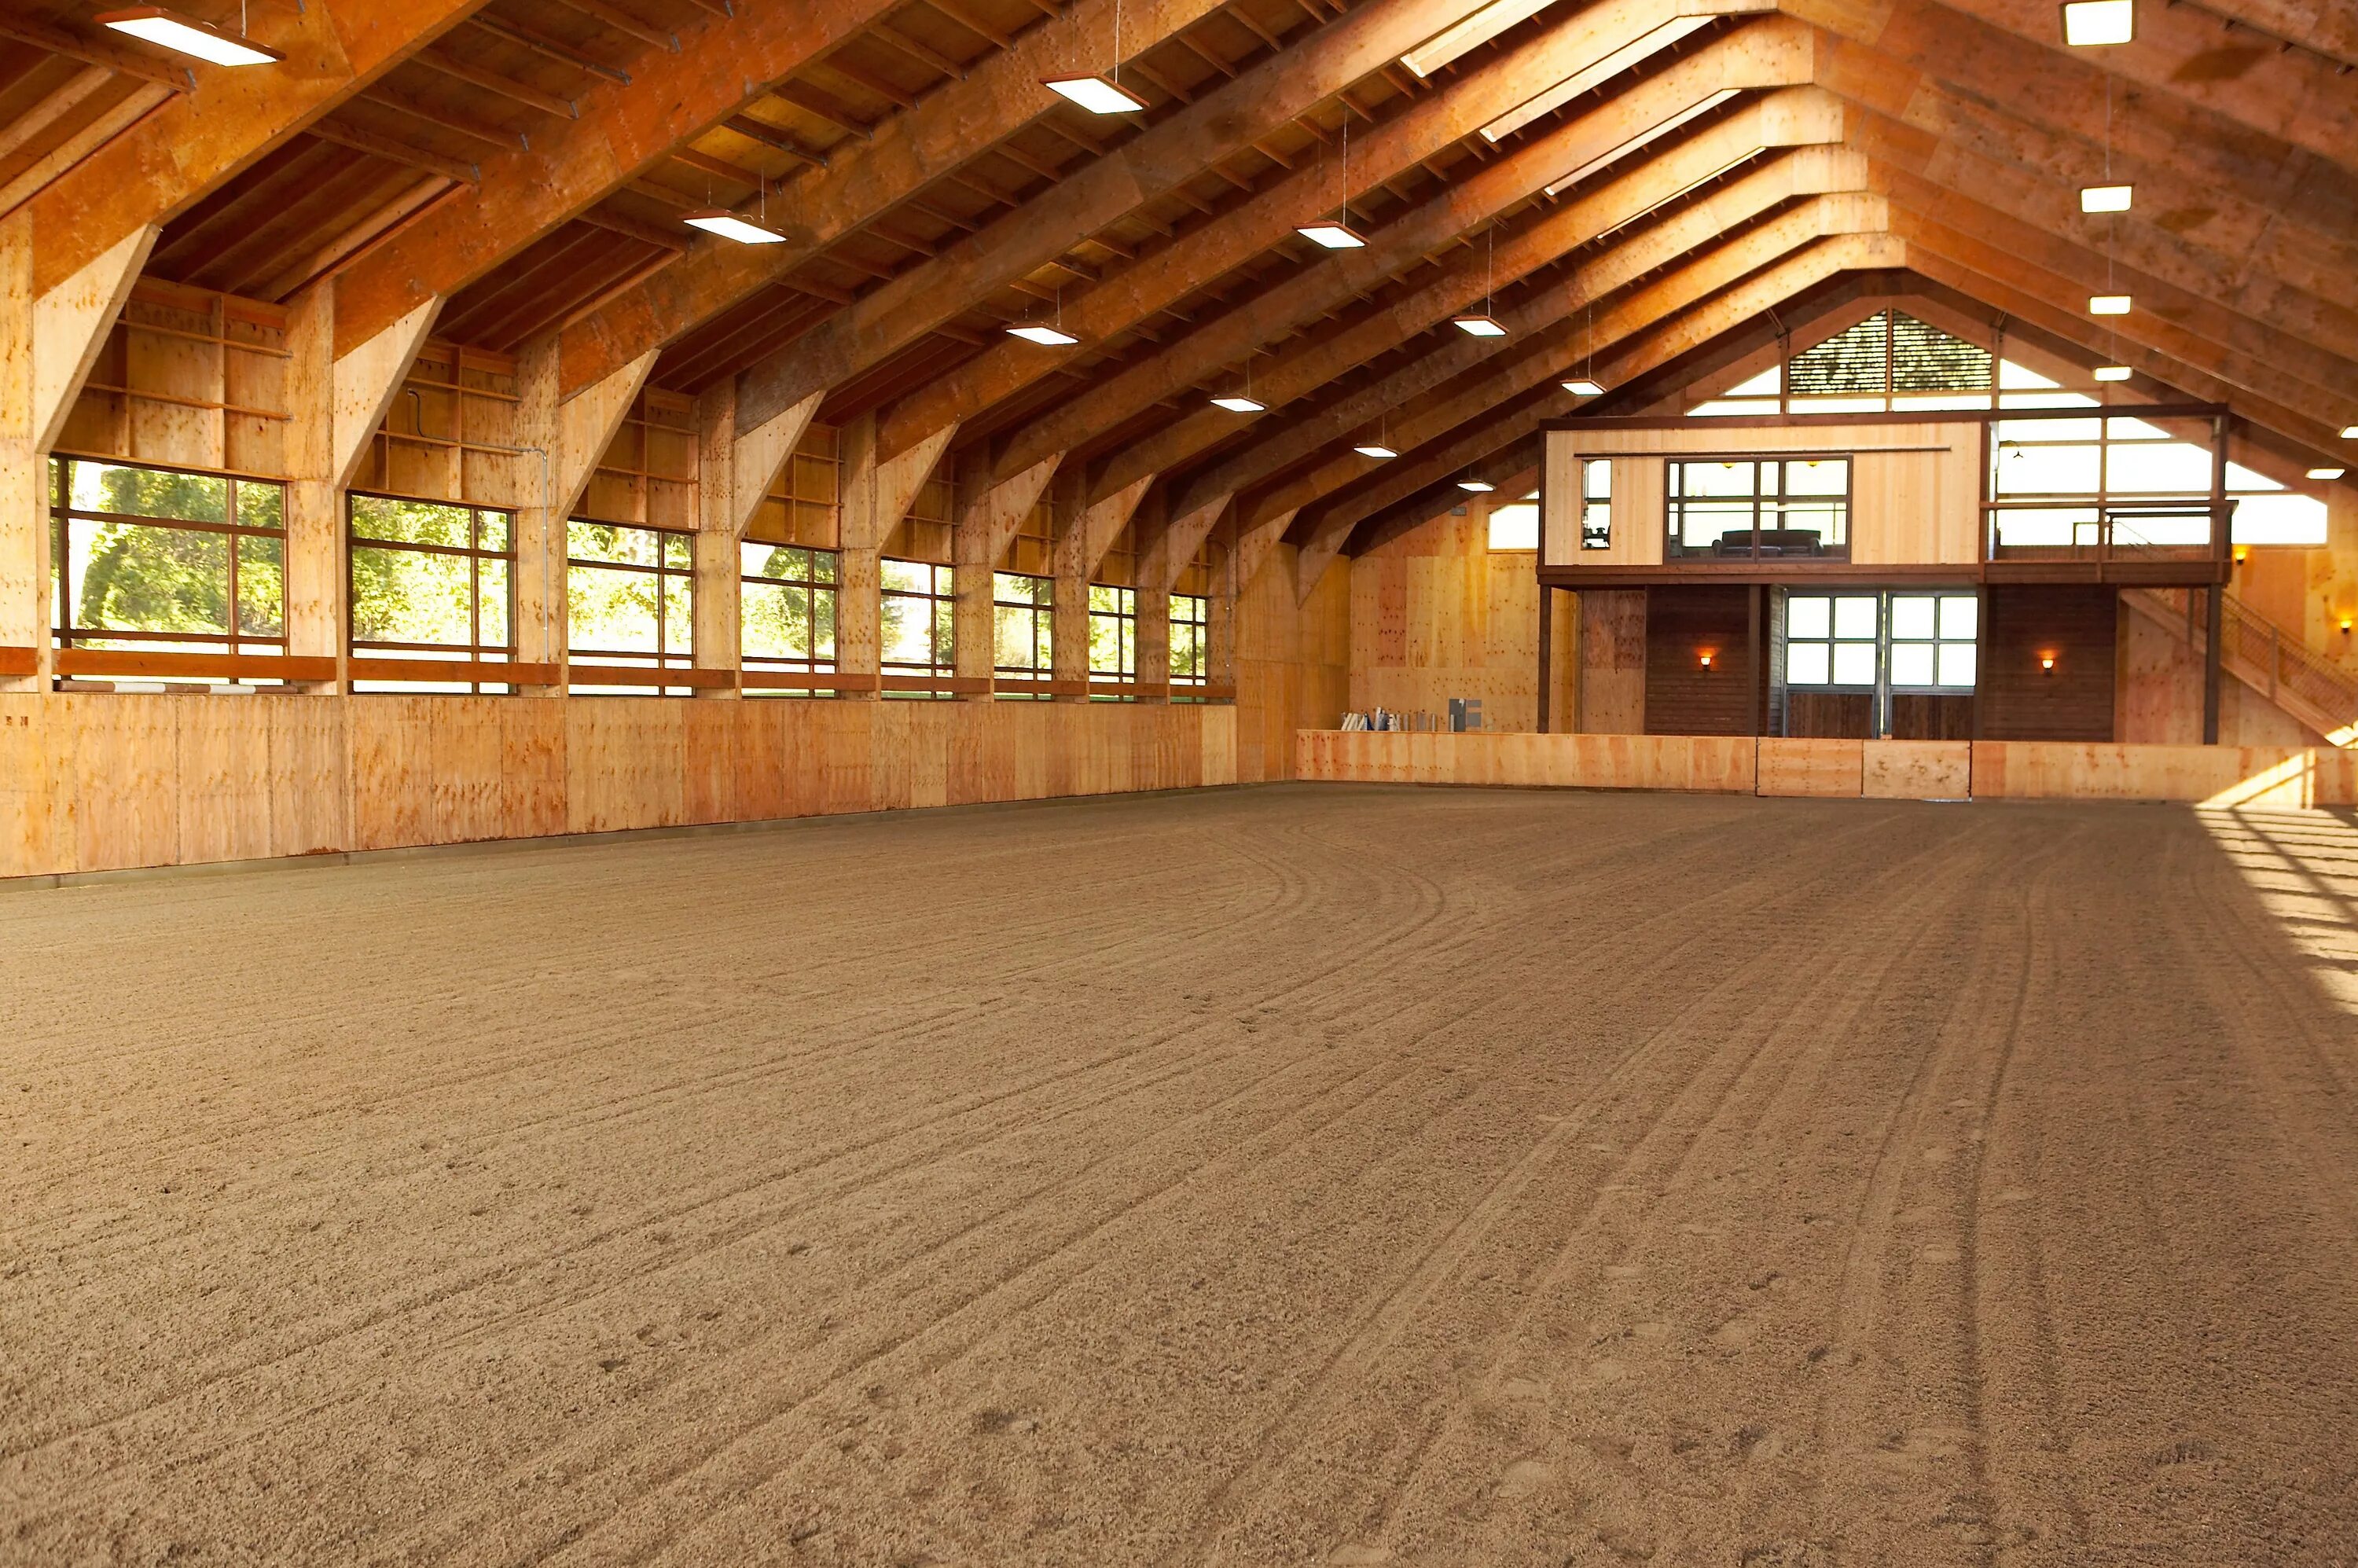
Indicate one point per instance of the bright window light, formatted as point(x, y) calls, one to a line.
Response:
point(2327, 473)
point(728, 226)
point(1472, 33)
point(1333, 236)
point(1583, 387)
point(1693, 111)
point(2107, 198)
point(184, 35)
point(1605, 69)
point(2112, 372)
point(1375, 449)
point(2108, 305)
point(1515, 526)
point(1476, 486)
point(1096, 94)
point(1481, 327)
point(1235, 405)
point(2087, 23)
point(1048, 336)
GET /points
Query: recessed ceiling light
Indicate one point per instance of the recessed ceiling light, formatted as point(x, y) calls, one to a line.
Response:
point(1375, 449)
point(1235, 405)
point(1333, 236)
point(1481, 327)
point(2108, 305)
point(2327, 473)
point(1048, 336)
point(2107, 198)
point(1476, 486)
point(2091, 22)
point(728, 226)
point(2112, 372)
point(1098, 95)
point(1583, 387)
point(185, 35)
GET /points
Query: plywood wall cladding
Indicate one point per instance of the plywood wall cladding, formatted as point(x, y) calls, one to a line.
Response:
point(449, 431)
point(1888, 770)
point(1437, 614)
point(188, 378)
point(104, 782)
point(1294, 663)
point(1915, 487)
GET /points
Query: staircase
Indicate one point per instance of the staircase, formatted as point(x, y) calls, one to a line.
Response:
point(2274, 662)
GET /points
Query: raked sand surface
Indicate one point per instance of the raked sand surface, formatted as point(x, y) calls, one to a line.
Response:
point(1260, 1177)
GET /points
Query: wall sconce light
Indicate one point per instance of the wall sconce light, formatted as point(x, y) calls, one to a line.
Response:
point(2240, 553)
point(1706, 661)
point(2047, 663)
point(2345, 625)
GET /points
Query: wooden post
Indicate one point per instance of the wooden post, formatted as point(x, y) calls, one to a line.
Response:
point(1547, 652)
point(49, 341)
point(989, 515)
point(874, 497)
point(2214, 616)
point(719, 645)
point(1154, 644)
point(1068, 607)
point(565, 436)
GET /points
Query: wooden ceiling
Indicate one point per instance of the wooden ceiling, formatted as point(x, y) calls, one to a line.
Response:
point(523, 167)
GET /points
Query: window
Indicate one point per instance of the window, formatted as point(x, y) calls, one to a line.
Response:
point(163, 561)
point(1113, 633)
point(1830, 639)
point(1596, 503)
point(1020, 614)
point(2092, 486)
point(1191, 639)
point(431, 581)
point(1760, 507)
point(631, 594)
point(919, 625)
point(1515, 526)
point(1934, 637)
point(786, 608)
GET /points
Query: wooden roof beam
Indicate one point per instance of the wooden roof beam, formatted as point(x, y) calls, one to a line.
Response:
point(1151, 164)
point(1163, 278)
point(228, 118)
point(624, 130)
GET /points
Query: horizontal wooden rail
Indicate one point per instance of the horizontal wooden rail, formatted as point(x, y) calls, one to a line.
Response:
point(20, 661)
point(136, 663)
point(647, 675)
point(462, 671)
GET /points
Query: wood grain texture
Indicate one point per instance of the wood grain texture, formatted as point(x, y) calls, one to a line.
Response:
point(1683, 623)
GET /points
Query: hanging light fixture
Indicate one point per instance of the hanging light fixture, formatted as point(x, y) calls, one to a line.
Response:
point(1483, 324)
point(2350, 432)
point(1381, 446)
point(728, 226)
point(1041, 332)
point(1587, 385)
point(2092, 23)
point(2107, 198)
point(1473, 486)
point(2327, 473)
point(1338, 234)
point(2112, 372)
point(1241, 402)
point(1582, 386)
point(1100, 94)
point(185, 35)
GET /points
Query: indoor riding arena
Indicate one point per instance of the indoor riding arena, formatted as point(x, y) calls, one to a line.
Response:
point(1179, 784)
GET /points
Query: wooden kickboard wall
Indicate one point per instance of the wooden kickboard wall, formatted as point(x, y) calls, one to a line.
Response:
point(2258, 777)
point(103, 782)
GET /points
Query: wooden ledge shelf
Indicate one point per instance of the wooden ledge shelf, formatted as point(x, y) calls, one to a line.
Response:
point(137, 664)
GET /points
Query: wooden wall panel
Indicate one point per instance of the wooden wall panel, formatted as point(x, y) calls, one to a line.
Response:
point(1612, 632)
point(1718, 764)
point(1682, 698)
point(2077, 626)
point(1917, 769)
point(1293, 662)
point(391, 771)
point(1812, 767)
point(1435, 615)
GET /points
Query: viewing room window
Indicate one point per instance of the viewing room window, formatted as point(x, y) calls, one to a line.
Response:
point(629, 595)
point(1888, 641)
point(1113, 633)
point(430, 580)
point(785, 622)
point(163, 561)
point(1596, 503)
point(2079, 488)
point(1021, 611)
point(919, 623)
point(1759, 508)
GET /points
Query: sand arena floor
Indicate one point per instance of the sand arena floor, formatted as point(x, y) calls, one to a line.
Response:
point(1260, 1177)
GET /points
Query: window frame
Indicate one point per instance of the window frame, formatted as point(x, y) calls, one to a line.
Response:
point(664, 572)
point(65, 634)
point(810, 586)
point(1123, 617)
point(1595, 503)
point(475, 650)
point(1199, 672)
point(942, 629)
point(1039, 610)
point(1674, 502)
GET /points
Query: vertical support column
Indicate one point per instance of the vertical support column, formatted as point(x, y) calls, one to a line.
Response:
point(718, 643)
point(874, 494)
point(1547, 654)
point(567, 436)
point(48, 344)
point(1068, 609)
point(1154, 644)
point(2214, 617)
point(990, 512)
point(24, 611)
